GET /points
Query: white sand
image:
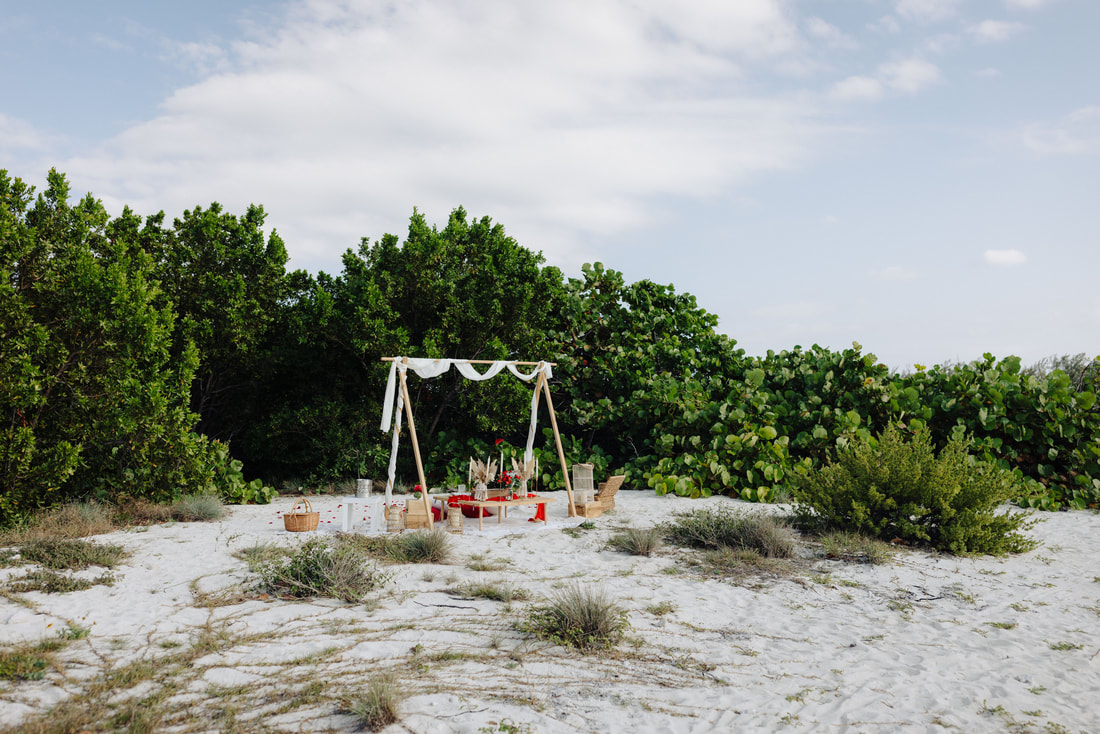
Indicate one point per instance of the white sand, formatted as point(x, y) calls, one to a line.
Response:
point(926, 642)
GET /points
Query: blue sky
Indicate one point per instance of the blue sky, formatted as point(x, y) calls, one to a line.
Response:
point(920, 176)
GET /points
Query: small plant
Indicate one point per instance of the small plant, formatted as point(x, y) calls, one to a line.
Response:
point(898, 488)
point(856, 548)
point(376, 708)
point(714, 528)
point(198, 508)
point(319, 569)
point(425, 546)
point(52, 582)
point(72, 554)
point(503, 592)
point(478, 564)
point(1002, 625)
point(661, 608)
point(637, 541)
point(1063, 646)
point(21, 665)
point(261, 553)
point(578, 617)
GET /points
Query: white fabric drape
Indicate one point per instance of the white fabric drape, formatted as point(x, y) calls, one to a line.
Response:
point(470, 373)
point(429, 368)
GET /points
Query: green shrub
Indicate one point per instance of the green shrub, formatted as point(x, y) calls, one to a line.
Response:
point(637, 541)
point(578, 617)
point(894, 488)
point(319, 568)
point(713, 528)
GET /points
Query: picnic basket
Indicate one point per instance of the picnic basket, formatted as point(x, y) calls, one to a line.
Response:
point(298, 522)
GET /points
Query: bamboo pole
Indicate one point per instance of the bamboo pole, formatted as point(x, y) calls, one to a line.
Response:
point(416, 444)
point(557, 439)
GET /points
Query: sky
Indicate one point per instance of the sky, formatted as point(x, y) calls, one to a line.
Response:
point(918, 176)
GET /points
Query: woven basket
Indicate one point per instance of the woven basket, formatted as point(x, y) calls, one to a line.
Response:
point(299, 522)
point(395, 519)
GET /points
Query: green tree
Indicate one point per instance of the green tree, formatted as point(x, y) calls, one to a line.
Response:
point(94, 403)
point(228, 285)
point(464, 291)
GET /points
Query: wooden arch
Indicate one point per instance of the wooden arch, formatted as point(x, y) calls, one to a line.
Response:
point(540, 384)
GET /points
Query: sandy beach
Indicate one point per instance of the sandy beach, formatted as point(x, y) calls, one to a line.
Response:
point(925, 642)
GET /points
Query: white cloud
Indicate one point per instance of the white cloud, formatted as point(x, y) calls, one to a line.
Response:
point(1005, 258)
point(885, 24)
point(909, 75)
point(994, 31)
point(1078, 133)
point(204, 58)
point(1026, 4)
point(926, 11)
point(893, 273)
point(830, 34)
point(556, 119)
point(19, 135)
point(856, 88)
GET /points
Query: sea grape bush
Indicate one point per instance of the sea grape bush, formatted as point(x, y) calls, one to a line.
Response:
point(1044, 429)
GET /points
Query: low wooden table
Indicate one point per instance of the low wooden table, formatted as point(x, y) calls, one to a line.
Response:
point(503, 505)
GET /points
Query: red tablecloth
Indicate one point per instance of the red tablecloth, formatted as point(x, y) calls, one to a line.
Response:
point(453, 501)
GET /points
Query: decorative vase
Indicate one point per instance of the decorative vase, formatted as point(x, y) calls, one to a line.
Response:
point(481, 491)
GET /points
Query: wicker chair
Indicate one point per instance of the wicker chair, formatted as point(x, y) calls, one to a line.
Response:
point(605, 495)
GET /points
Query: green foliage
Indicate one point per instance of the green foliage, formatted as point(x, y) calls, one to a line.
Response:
point(464, 291)
point(319, 568)
point(899, 488)
point(625, 354)
point(230, 483)
point(22, 665)
point(1043, 428)
point(131, 350)
point(715, 528)
point(72, 554)
point(580, 617)
point(95, 402)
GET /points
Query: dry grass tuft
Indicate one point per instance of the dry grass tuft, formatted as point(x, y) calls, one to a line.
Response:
point(422, 546)
point(637, 541)
point(584, 618)
point(74, 520)
point(712, 528)
point(376, 707)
